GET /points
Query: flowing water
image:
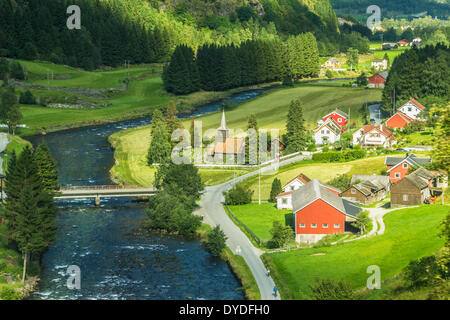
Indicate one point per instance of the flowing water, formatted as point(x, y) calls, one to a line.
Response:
point(116, 261)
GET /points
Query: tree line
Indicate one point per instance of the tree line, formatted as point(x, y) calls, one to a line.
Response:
point(217, 68)
point(420, 73)
point(37, 30)
point(31, 183)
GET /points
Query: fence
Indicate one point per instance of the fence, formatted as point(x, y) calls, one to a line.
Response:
point(249, 232)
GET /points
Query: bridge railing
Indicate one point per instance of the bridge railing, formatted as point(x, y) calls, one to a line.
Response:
point(105, 187)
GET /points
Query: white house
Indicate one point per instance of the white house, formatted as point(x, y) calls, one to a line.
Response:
point(374, 136)
point(380, 64)
point(284, 199)
point(412, 108)
point(327, 132)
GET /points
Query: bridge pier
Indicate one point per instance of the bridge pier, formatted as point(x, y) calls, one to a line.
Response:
point(97, 201)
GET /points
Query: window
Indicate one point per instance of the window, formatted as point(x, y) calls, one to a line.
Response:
point(302, 225)
point(353, 191)
point(325, 225)
point(313, 225)
point(336, 225)
point(405, 197)
point(409, 109)
point(292, 188)
point(339, 120)
point(397, 174)
point(328, 131)
point(405, 165)
point(323, 131)
point(284, 201)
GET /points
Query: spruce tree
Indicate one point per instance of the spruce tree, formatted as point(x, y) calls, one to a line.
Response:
point(172, 121)
point(296, 134)
point(276, 190)
point(160, 147)
point(47, 168)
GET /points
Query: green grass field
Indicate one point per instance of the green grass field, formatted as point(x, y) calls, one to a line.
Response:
point(321, 171)
point(410, 234)
point(271, 111)
point(259, 218)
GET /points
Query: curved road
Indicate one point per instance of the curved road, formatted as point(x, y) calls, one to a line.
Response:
point(211, 208)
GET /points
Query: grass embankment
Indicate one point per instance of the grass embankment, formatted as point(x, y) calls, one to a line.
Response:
point(314, 170)
point(410, 234)
point(16, 144)
point(237, 264)
point(10, 263)
point(270, 109)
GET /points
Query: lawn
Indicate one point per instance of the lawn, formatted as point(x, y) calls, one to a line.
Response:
point(321, 171)
point(259, 218)
point(410, 234)
point(271, 108)
point(131, 167)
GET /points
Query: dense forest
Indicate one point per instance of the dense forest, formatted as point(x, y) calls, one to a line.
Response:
point(144, 31)
point(420, 73)
point(217, 68)
point(397, 8)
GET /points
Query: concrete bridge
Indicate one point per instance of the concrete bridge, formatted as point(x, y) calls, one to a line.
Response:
point(97, 192)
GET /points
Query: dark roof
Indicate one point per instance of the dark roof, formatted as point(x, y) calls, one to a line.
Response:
point(424, 173)
point(350, 208)
point(412, 158)
point(417, 181)
point(382, 180)
point(314, 190)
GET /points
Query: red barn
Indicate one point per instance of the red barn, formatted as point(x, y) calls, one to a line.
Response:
point(340, 117)
point(378, 80)
point(398, 168)
point(399, 120)
point(318, 212)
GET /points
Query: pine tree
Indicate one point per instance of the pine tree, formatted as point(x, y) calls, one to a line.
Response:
point(296, 135)
point(160, 147)
point(276, 190)
point(172, 121)
point(47, 168)
point(30, 210)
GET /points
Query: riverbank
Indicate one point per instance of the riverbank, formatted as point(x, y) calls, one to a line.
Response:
point(237, 264)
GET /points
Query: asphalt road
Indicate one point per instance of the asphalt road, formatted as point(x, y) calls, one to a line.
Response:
point(211, 208)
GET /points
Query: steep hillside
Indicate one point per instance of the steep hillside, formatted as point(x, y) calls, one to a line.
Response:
point(397, 8)
point(145, 31)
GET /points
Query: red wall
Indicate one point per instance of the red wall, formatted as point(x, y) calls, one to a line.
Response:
point(399, 169)
point(319, 212)
point(335, 117)
point(377, 80)
point(396, 122)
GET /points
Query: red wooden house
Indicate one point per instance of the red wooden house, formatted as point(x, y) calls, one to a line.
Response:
point(378, 80)
point(399, 120)
point(398, 168)
point(318, 212)
point(340, 117)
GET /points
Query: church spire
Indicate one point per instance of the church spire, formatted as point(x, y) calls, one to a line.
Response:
point(223, 123)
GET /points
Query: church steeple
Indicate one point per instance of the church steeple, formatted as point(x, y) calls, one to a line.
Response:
point(222, 131)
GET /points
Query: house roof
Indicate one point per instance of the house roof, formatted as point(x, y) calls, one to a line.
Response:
point(416, 103)
point(381, 180)
point(339, 112)
point(381, 129)
point(411, 158)
point(417, 181)
point(379, 60)
point(403, 41)
point(424, 174)
point(285, 194)
point(384, 74)
point(330, 124)
point(313, 191)
point(230, 146)
point(301, 177)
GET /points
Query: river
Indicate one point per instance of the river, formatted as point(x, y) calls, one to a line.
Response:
point(116, 261)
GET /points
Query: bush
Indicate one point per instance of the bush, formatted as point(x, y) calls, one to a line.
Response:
point(325, 289)
point(342, 182)
point(8, 293)
point(216, 241)
point(335, 156)
point(281, 235)
point(422, 272)
point(238, 195)
point(27, 98)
